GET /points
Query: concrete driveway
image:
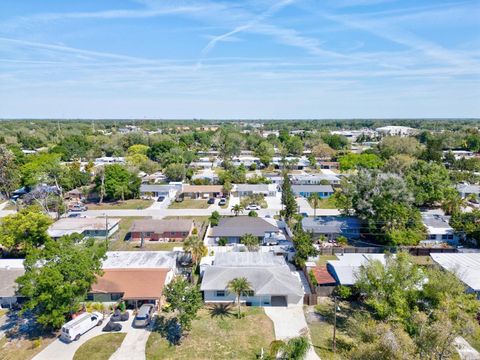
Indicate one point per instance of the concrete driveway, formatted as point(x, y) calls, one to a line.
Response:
point(132, 348)
point(65, 351)
point(289, 322)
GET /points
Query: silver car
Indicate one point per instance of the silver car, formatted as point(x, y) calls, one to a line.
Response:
point(144, 315)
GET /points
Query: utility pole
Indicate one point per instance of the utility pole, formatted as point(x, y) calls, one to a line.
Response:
point(106, 230)
point(334, 324)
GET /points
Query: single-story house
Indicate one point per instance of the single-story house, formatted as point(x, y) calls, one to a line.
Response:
point(206, 175)
point(332, 226)
point(233, 228)
point(331, 165)
point(246, 160)
point(323, 191)
point(255, 189)
point(297, 163)
point(466, 267)
point(154, 191)
point(272, 281)
point(202, 191)
point(439, 230)
point(88, 227)
point(161, 230)
point(134, 276)
point(466, 190)
point(275, 178)
point(10, 270)
point(345, 269)
point(314, 179)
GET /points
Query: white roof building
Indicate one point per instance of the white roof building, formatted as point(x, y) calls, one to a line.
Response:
point(395, 130)
point(345, 269)
point(466, 267)
point(140, 260)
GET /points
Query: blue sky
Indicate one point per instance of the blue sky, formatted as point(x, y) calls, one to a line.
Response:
point(239, 59)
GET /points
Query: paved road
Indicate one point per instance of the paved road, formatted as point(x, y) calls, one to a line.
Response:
point(289, 322)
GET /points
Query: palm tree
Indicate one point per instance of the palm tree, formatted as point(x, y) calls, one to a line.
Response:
point(250, 241)
point(195, 246)
point(237, 209)
point(239, 286)
point(293, 349)
point(452, 203)
point(314, 199)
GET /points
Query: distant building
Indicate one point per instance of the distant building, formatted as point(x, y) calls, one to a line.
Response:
point(314, 179)
point(439, 230)
point(88, 227)
point(467, 190)
point(161, 230)
point(323, 191)
point(233, 228)
point(255, 189)
point(154, 191)
point(331, 227)
point(396, 131)
point(202, 191)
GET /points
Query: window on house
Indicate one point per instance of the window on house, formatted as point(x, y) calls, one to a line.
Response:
point(248, 293)
point(115, 297)
point(432, 237)
point(450, 236)
point(444, 237)
point(220, 293)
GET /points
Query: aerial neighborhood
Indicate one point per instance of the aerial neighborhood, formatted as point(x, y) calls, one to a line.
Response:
point(319, 237)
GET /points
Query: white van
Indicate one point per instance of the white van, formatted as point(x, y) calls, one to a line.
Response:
point(73, 329)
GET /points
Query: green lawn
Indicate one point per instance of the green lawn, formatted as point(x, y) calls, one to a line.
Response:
point(325, 203)
point(121, 205)
point(189, 204)
point(23, 349)
point(218, 334)
point(100, 347)
point(322, 261)
point(321, 329)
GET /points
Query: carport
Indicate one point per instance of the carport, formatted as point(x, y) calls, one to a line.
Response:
point(279, 300)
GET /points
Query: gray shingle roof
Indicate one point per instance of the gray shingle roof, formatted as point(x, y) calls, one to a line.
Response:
point(155, 188)
point(469, 189)
point(265, 277)
point(329, 224)
point(240, 225)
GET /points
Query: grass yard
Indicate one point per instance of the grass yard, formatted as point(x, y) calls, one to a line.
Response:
point(189, 204)
point(139, 204)
point(22, 349)
point(422, 260)
point(100, 347)
point(322, 261)
point(325, 203)
point(320, 323)
point(218, 334)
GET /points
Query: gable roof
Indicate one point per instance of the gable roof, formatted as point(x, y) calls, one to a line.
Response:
point(345, 269)
point(161, 226)
point(240, 225)
point(248, 258)
point(330, 224)
point(140, 260)
point(265, 280)
point(202, 188)
point(465, 265)
point(133, 283)
point(156, 188)
point(69, 226)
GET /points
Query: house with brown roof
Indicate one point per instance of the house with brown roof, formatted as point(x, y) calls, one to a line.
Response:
point(202, 191)
point(161, 230)
point(134, 276)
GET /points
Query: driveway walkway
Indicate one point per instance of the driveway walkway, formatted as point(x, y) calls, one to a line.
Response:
point(65, 351)
point(465, 350)
point(289, 322)
point(133, 346)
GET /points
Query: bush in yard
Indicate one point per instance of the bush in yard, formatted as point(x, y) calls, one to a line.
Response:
point(343, 292)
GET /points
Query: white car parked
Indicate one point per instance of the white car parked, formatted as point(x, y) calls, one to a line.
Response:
point(75, 328)
point(252, 207)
